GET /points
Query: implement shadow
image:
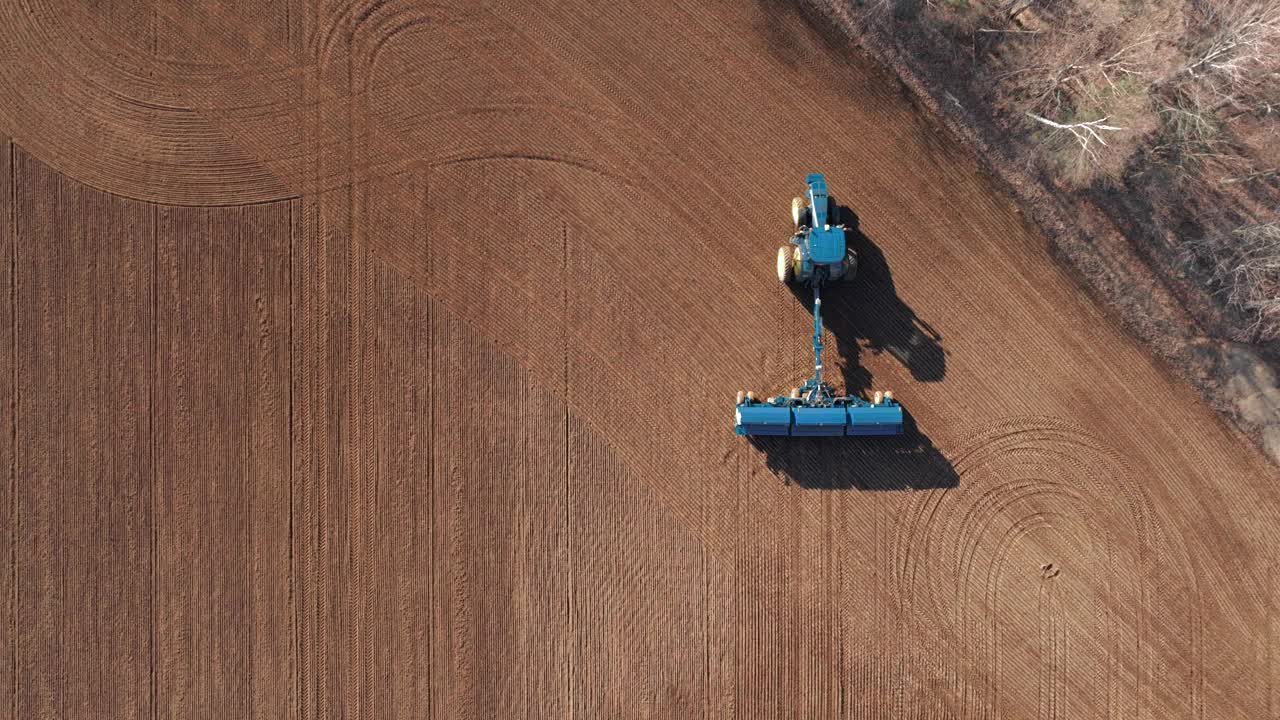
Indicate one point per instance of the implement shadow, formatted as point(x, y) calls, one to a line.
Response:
point(866, 311)
point(904, 462)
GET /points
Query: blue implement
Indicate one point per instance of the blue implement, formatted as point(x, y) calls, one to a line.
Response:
point(883, 419)
point(818, 421)
point(763, 419)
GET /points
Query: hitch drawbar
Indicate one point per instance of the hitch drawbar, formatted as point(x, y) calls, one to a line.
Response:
point(813, 409)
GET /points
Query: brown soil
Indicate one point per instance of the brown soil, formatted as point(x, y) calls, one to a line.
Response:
point(377, 361)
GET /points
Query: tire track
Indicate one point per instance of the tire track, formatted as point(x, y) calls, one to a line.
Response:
point(84, 537)
point(1089, 516)
point(207, 111)
point(94, 97)
point(1052, 637)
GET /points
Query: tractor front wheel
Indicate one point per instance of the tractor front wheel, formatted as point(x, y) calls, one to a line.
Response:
point(785, 271)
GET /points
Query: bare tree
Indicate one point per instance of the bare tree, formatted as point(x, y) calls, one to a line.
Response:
point(1247, 32)
point(1230, 66)
point(1238, 60)
point(1087, 87)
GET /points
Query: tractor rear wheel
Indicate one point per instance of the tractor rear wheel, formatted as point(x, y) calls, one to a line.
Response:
point(850, 263)
point(799, 212)
point(785, 271)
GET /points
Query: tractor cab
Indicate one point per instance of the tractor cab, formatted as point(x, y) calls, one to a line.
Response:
point(818, 251)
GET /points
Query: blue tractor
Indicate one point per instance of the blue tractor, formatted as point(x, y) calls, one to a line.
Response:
point(817, 255)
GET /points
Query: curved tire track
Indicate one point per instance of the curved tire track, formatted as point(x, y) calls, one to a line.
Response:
point(1036, 487)
point(115, 117)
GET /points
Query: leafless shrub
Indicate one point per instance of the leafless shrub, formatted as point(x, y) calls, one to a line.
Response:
point(1196, 136)
point(882, 10)
point(1171, 108)
point(1076, 71)
point(1246, 266)
point(1126, 62)
point(1190, 134)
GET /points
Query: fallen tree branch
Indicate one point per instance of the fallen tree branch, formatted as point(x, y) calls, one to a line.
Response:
point(1259, 175)
point(1086, 133)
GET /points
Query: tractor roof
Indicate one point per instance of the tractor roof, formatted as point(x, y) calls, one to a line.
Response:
point(826, 245)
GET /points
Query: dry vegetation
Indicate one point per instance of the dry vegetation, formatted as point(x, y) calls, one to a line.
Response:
point(1247, 264)
point(1165, 113)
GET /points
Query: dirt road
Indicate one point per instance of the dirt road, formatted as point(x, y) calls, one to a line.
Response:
point(375, 359)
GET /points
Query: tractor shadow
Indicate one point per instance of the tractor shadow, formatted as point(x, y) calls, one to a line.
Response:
point(902, 462)
point(866, 313)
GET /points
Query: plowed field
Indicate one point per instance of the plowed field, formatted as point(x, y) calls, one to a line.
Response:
point(375, 359)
